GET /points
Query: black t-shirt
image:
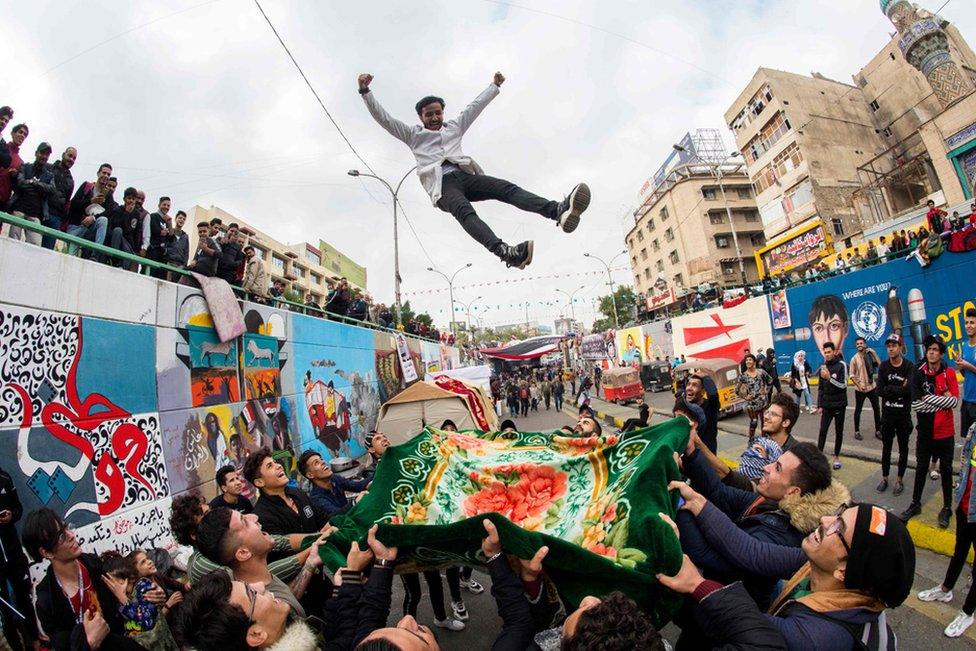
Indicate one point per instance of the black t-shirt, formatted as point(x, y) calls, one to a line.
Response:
point(243, 504)
point(277, 518)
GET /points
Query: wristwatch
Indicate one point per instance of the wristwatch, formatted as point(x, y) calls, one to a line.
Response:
point(383, 562)
point(363, 91)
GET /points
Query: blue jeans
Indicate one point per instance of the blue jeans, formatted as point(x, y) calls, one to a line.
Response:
point(53, 221)
point(94, 232)
point(807, 398)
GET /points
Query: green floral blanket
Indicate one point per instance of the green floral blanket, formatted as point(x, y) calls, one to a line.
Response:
point(594, 501)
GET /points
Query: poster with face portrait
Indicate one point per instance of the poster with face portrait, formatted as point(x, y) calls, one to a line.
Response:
point(779, 309)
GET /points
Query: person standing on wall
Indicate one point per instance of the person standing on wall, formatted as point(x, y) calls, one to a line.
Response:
point(864, 368)
point(832, 399)
point(895, 378)
point(935, 393)
point(966, 362)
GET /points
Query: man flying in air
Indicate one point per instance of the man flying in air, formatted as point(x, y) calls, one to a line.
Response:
point(453, 180)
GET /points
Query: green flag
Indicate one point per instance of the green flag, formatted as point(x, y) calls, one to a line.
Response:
point(594, 501)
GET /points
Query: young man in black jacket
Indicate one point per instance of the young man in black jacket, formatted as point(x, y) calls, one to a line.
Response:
point(14, 567)
point(701, 390)
point(231, 255)
point(76, 609)
point(832, 399)
point(282, 510)
point(64, 187)
point(895, 379)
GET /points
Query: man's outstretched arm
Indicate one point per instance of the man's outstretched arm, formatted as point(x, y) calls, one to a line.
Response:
point(474, 109)
point(397, 129)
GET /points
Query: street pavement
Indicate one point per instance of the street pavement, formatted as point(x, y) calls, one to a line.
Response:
point(918, 625)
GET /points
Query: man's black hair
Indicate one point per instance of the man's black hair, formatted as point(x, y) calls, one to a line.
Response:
point(233, 225)
point(104, 165)
point(183, 515)
point(829, 344)
point(203, 225)
point(381, 644)
point(304, 460)
point(813, 473)
point(827, 306)
point(222, 473)
point(41, 530)
point(617, 622)
point(430, 99)
point(180, 212)
point(857, 339)
point(791, 410)
point(206, 619)
point(214, 539)
point(970, 313)
point(6, 111)
point(508, 422)
point(162, 199)
point(129, 192)
point(252, 467)
point(447, 422)
point(20, 126)
point(216, 220)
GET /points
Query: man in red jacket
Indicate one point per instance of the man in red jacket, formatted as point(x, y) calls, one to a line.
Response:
point(935, 393)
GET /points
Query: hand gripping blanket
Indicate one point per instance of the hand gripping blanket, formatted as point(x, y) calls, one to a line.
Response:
point(594, 501)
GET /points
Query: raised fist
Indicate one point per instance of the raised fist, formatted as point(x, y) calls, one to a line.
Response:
point(499, 79)
point(365, 79)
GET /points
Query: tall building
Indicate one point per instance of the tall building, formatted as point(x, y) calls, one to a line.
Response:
point(803, 139)
point(300, 265)
point(681, 236)
point(919, 88)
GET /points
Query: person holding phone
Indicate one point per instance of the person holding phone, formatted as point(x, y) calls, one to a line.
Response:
point(14, 566)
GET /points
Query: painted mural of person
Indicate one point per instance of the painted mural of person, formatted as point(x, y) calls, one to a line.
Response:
point(829, 321)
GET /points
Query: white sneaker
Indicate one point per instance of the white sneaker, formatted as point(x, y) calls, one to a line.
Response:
point(450, 624)
point(935, 594)
point(959, 625)
point(472, 586)
point(460, 612)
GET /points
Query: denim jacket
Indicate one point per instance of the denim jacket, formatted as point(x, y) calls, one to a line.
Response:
point(967, 454)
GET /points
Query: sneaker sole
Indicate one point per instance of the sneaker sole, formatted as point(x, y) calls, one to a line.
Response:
point(579, 200)
point(944, 600)
point(528, 258)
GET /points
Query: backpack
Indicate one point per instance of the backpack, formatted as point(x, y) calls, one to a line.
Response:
point(524, 393)
point(865, 637)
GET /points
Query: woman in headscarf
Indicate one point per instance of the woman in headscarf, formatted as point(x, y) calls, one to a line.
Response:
point(799, 380)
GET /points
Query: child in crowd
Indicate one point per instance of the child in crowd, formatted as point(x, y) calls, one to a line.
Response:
point(130, 581)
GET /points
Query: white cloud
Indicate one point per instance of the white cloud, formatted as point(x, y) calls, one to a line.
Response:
point(204, 106)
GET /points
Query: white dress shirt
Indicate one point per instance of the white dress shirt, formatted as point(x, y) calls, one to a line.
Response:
point(432, 148)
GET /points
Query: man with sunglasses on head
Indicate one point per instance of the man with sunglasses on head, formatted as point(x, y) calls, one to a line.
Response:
point(846, 573)
point(74, 605)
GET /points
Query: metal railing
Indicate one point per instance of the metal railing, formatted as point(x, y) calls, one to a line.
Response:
point(242, 294)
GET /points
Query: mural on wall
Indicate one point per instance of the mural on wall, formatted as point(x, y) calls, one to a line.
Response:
point(895, 296)
point(78, 414)
point(339, 396)
point(657, 337)
point(387, 365)
point(633, 346)
point(720, 332)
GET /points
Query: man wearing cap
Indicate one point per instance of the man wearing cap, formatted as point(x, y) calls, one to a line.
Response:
point(935, 393)
point(34, 188)
point(856, 564)
point(895, 376)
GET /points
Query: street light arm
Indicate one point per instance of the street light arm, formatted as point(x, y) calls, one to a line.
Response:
point(404, 179)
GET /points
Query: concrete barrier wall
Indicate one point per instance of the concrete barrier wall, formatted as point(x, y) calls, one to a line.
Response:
point(116, 394)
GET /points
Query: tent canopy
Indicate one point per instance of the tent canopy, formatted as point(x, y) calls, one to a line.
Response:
point(529, 349)
point(423, 403)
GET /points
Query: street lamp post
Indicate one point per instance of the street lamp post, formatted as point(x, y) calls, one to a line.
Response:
point(467, 308)
point(572, 308)
point(613, 299)
point(716, 169)
point(396, 236)
point(450, 287)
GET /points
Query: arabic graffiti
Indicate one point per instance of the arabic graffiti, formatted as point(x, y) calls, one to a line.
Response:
point(799, 250)
point(143, 528)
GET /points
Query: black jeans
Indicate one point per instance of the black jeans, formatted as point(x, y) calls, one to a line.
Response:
point(872, 397)
point(895, 427)
point(837, 415)
point(965, 538)
point(926, 451)
point(412, 593)
point(459, 189)
point(967, 416)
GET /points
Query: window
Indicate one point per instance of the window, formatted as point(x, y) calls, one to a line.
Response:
point(650, 225)
point(647, 273)
point(722, 242)
point(728, 269)
point(716, 218)
point(709, 194)
point(643, 254)
point(640, 236)
point(754, 107)
point(311, 256)
point(838, 225)
point(874, 105)
point(752, 216)
point(260, 252)
point(673, 257)
point(768, 136)
point(679, 280)
point(656, 245)
point(316, 279)
point(663, 214)
point(886, 132)
point(757, 239)
point(669, 235)
point(786, 161)
point(660, 265)
point(278, 264)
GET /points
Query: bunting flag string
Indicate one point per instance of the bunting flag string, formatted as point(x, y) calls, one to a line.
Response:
point(521, 279)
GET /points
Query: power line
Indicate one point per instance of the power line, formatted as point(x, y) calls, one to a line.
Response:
point(336, 124)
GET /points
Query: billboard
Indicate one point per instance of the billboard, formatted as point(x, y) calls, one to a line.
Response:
point(898, 295)
point(674, 159)
point(335, 260)
point(598, 346)
point(720, 332)
point(806, 245)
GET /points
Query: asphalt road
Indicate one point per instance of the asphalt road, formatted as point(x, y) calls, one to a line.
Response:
point(918, 625)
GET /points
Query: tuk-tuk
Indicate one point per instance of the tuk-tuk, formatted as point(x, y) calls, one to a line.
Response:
point(723, 372)
point(621, 384)
point(656, 376)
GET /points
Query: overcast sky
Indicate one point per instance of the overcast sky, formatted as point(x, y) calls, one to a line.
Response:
point(198, 101)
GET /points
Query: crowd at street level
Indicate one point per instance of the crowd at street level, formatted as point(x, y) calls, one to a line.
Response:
point(244, 576)
point(44, 193)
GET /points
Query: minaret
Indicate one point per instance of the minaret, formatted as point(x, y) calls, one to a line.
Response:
point(924, 45)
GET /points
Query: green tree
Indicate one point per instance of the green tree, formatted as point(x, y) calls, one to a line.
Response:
point(626, 304)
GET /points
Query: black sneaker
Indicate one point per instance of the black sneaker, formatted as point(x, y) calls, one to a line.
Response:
point(519, 255)
point(882, 485)
point(944, 516)
point(573, 206)
point(899, 488)
point(913, 509)
point(858, 436)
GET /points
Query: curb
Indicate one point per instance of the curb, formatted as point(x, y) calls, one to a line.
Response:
point(925, 536)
